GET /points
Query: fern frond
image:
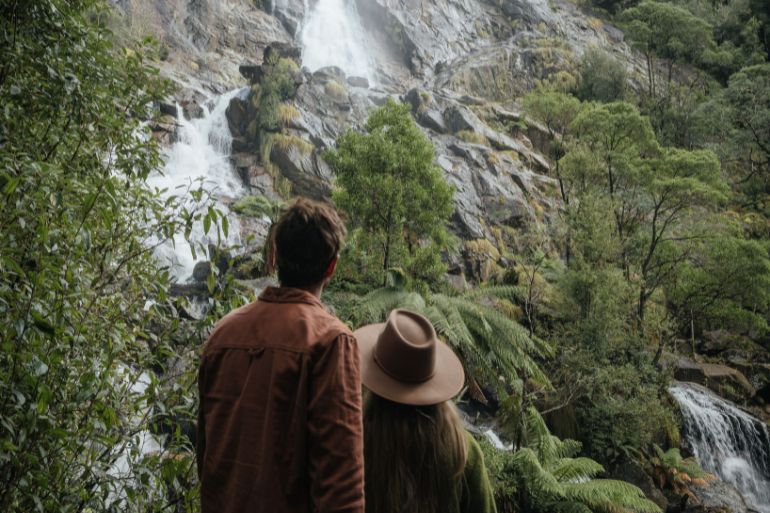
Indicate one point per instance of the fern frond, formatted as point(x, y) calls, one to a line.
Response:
point(539, 483)
point(576, 469)
point(610, 496)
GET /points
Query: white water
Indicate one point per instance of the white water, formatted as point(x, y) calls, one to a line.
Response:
point(201, 155)
point(496, 441)
point(727, 442)
point(332, 35)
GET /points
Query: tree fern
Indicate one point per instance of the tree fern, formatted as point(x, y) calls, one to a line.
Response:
point(490, 343)
point(545, 476)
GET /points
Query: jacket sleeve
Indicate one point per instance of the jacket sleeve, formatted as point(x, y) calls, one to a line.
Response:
point(479, 497)
point(335, 429)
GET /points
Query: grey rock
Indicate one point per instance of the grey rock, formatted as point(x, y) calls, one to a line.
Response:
point(303, 170)
point(201, 271)
point(433, 120)
point(716, 497)
point(631, 471)
point(168, 108)
point(251, 72)
point(358, 82)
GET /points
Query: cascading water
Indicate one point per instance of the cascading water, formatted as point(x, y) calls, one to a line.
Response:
point(333, 35)
point(727, 442)
point(201, 153)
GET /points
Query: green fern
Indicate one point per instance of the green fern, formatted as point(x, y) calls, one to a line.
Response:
point(490, 343)
point(545, 476)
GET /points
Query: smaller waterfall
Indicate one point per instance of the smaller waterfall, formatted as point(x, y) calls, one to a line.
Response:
point(727, 442)
point(201, 153)
point(333, 35)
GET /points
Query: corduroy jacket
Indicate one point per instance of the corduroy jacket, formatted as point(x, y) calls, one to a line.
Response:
point(279, 423)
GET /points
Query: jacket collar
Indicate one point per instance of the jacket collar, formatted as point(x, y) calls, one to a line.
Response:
point(289, 295)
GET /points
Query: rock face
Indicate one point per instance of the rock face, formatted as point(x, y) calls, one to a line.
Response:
point(716, 497)
point(459, 64)
point(720, 378)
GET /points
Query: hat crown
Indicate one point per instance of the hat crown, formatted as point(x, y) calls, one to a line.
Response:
point(406, 347)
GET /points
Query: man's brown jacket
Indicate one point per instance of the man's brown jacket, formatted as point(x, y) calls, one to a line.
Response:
point(279, 426)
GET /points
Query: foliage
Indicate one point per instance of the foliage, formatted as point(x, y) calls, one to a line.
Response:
point(491, 344)
point(623, 409)
point(745, 107)
point(556, 110)
point(85, 423)
point(667, 31)
point(257, 205)
point(726, 282)
point(395, 197)
point(672, 471)
point(602, 77)
point(544, 475)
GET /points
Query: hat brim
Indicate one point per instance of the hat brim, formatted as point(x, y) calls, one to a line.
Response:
point(447, 380)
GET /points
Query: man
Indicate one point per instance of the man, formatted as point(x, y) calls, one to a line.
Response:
point(279, 426)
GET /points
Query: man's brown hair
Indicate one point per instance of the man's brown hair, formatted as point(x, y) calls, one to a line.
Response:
point(306, 238)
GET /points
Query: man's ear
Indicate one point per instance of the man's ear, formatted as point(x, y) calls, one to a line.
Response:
point(332, 266)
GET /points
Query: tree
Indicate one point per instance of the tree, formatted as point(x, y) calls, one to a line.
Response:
point(556, 110)
point(676, 183)
point(725, 284)
point(670, 32)
point(610, 143)
point(746, 102)
point(602, 78)
point(396, 199)
point(81, 298)
point(615, 158)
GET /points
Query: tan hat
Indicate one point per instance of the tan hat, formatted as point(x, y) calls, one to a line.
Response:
point(404, 361)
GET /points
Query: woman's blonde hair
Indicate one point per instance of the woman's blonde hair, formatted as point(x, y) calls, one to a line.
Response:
point(414, 456)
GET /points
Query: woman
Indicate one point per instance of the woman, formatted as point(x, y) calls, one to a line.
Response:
point(418, 456)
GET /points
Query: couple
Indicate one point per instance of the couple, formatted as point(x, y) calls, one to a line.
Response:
point(281, 427)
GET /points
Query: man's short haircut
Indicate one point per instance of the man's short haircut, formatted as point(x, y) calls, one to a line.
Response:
point(305, 239)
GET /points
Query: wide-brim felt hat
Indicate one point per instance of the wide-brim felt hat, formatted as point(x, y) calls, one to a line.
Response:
point(404, 361)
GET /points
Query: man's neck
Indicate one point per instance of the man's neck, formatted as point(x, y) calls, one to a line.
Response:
point(316, 290)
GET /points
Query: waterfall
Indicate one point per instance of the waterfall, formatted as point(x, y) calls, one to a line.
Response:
point(727, 442)
point(333, 35)
point(202, 152)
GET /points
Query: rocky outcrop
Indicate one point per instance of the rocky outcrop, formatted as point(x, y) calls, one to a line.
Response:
point(716, 497)
point(722, 379)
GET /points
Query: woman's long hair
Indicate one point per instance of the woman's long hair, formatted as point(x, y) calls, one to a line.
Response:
point(414, 456)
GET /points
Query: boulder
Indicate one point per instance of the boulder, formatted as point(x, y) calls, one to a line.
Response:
point(433, 120)
point(631, 471)
point(251, 72)
point(716, 497)
point(201, 271)
point(358, 82)
point(192, 110)
point(168, 109)
point(307, 172)
point(720, 378)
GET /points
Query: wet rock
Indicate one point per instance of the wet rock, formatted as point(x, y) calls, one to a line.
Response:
point(240, 144)
point(237, 118)
point(358, 82)
point(192, 110)
point(722, 379)
point(251, 72)
point(168, 109)
point(201, 271)
point(716, 497)
point(278, 49)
